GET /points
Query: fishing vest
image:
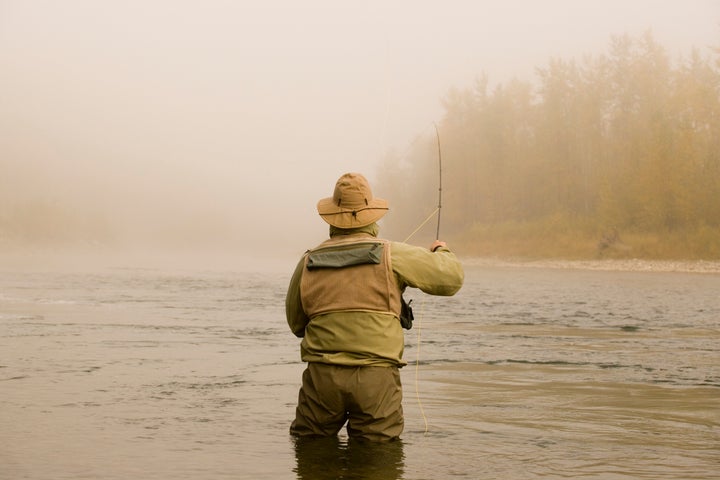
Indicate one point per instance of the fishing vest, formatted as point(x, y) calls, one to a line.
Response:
point(349, 274)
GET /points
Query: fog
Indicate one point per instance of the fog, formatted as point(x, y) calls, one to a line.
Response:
point(217, 125)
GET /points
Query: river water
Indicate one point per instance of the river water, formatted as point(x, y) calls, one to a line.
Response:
point(529, 372)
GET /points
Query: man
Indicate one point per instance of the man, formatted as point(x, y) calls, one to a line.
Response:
point(345, 302)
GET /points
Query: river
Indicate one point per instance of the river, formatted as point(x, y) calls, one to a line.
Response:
point(529, 372)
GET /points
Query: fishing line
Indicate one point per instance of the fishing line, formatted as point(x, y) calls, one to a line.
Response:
point(422, 302)
point(423, 224)
point(417, 366)
point(437, 232)
point(402, 156)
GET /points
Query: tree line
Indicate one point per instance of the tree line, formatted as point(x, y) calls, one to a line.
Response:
point(610, 146)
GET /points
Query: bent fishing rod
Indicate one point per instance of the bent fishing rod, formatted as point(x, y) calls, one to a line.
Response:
point(439, 205)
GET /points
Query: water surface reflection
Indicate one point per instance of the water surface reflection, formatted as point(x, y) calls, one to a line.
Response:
point(334, 458)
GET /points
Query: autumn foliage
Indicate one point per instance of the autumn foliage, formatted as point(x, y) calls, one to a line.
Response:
point(615, 154)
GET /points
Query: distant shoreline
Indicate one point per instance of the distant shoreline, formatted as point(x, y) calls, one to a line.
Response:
point(629, 265)
point(73, 259)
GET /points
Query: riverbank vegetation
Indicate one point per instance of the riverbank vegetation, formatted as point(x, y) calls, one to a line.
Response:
point(615, 155)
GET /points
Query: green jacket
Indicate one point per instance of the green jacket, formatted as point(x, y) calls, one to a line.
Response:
point(370, 338)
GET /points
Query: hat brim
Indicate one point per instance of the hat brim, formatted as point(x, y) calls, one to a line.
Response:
point(347, 218)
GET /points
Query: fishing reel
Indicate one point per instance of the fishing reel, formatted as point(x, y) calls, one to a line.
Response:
point(406, 314)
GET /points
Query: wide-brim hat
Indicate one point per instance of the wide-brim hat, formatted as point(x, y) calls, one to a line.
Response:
point(352, 204)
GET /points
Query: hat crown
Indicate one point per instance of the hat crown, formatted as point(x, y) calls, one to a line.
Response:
point(352, 191)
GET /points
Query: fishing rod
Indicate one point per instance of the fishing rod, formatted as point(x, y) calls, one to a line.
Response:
point(439, 206)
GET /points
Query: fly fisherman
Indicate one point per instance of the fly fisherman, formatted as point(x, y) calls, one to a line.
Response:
point(345, 302)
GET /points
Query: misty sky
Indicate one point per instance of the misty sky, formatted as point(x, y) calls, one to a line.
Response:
point(165, 112)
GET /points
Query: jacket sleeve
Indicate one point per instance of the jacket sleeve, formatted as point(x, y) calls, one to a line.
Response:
point(296, 318)
point(435, 273)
